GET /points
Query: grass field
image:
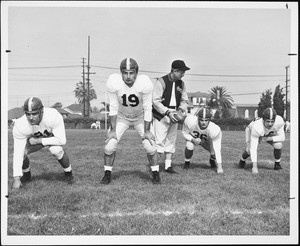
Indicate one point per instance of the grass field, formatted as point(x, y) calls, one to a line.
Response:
point(197, 201)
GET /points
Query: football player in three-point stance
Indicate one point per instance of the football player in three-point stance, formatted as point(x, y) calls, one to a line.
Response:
point(130, 99)
point(39, 127)
point(199, 130)
point(270, 129)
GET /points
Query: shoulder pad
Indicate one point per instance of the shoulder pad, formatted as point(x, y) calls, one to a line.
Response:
point(114, 82)
point(144, 84)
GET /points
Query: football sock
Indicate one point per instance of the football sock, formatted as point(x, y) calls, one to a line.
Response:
point(68, 169)
point(167, 164)
point(277, 154)
point(64, 161)
point(25, 165)
point(155, 168)
point(108, 168)
point(245, 155)
point(188, 153)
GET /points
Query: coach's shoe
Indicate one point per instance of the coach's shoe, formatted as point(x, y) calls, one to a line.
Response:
point(242, 164)
point(69, 177)
point(212, 163)
point(277, 166)
point(155, 177)
point(186, 165)
point(107, 177)
point(26, 177)
point(170, 170)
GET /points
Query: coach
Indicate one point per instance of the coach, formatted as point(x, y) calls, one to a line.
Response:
point(169, 95)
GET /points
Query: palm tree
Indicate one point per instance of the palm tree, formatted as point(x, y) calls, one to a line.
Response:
point(220, 98)
point(82, 97)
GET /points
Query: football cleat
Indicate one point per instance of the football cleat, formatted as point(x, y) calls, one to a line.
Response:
point(212, 163)
point(170, 170)
point(107, 177)
point(277, 166)
point(186, 165)
point(242, 164)
point(155, 177)
point(26, 177)
point(69, 178)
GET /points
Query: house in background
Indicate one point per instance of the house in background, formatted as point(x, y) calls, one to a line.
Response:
point(74, 109)
point(245, 111)
point(15, 113)
point(195, 98)
point(63, 112)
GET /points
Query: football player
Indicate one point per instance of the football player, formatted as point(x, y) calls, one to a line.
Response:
point(270, 129)
point(199, 130)
point(130, 99)
point(39, 127)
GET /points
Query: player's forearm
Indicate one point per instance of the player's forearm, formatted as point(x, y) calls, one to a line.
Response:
point(187, 136)
point(253, 149)
point(280, 137)
point(113, 122)
point(147, 125)
point(19, 149)
point(147, 105)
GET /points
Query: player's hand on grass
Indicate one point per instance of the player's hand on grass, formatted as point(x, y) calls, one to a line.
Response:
point(17, 183)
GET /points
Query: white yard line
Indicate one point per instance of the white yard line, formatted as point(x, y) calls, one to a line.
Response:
point(141, 213)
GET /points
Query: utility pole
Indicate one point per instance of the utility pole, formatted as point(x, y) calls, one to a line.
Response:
point(286, 92)
point(88, 79)
point(83, 86)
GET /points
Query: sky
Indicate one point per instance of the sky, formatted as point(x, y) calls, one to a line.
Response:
point(242, 47)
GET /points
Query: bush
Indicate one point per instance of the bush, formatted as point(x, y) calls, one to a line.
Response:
point(232, 123)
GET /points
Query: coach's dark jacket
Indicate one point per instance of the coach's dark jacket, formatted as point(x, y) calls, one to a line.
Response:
point(166, 97)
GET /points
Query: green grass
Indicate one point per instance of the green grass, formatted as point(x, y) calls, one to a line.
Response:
point(197, 201)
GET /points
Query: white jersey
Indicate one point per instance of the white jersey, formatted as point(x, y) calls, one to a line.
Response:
point(192, 130)
point(51, 128)
point(213, 132)
point(257, 129)
point(130, 103)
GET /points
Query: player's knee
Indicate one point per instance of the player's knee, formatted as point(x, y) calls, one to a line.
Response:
point(111, 146)
point(189, 145)
point(149, 147)
point(277, 145)
point(57, 151)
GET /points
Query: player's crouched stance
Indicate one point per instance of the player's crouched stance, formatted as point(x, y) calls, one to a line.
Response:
point(270, 129)
point(130, 99)
point(39, 127)
point(199, 130)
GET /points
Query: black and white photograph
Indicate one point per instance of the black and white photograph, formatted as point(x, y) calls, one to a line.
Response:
point(149, 123)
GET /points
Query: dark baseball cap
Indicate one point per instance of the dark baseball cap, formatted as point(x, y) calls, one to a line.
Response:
point(180, 65)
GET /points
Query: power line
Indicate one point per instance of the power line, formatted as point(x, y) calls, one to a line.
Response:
point(42, 67)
